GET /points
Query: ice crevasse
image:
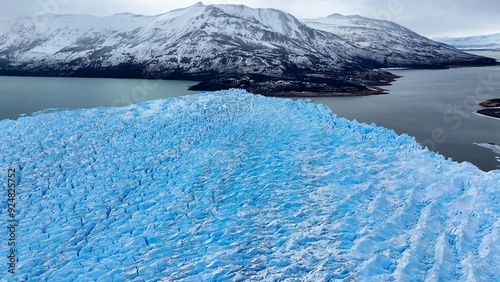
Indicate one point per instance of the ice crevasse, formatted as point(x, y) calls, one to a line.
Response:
point(231, 186)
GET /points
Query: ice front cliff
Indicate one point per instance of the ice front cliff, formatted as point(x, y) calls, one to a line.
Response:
point(230, 186)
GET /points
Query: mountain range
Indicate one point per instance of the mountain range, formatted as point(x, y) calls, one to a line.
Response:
point(224, 46)
point(388, 44)
point(481, 42)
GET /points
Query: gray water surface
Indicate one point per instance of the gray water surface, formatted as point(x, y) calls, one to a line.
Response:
point(25, 95)
point(438, 108)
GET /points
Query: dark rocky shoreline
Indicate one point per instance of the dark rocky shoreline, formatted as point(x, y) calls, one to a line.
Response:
point(363, 84)
point(492, 103)
point(295, 84)
point(490, 112)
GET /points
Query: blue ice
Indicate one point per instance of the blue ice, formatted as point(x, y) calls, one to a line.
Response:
point(231, 186)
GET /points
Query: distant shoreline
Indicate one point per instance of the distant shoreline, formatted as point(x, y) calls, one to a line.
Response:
point(492, 113)
point(303, 87)
point(365, 83)
point(493, 106)
point(479, 50)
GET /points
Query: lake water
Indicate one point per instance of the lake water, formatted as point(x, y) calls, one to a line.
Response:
point(435, 106)
point(24, 95)
point(438, 108)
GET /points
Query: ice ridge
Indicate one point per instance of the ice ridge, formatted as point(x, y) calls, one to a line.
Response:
point(231, 186)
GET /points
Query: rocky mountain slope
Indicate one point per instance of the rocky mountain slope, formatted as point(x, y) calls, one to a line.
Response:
point(387, 44)
point(481, 42)
point(225, 46)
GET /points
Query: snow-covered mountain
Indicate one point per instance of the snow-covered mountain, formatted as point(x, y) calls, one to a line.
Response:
point(210, 41)
point(198, 40)
point(389, 44)
point(481, 42)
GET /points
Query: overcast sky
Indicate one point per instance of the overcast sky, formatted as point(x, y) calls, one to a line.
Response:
point(428, 17)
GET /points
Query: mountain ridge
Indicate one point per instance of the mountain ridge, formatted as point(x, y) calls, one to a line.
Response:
point(224, 46)
point(478, 42)
point(389, 44)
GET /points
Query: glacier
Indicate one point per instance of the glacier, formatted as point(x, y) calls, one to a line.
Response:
point(232, 186)
point(479, 42)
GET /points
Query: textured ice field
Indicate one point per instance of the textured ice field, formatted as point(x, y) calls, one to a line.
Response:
point(230, 186)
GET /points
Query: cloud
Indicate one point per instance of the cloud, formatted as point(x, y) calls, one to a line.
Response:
point(450, 18)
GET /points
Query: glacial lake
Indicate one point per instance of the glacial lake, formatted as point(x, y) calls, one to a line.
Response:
point(438, 108)
point(26, 95)
point(435, 106)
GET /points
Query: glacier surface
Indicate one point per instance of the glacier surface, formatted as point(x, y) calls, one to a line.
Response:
point(231, 186)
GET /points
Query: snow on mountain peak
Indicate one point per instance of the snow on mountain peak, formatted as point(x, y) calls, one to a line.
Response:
point(198, 39)
point(213, 41)
point(340, 16)
point(387, 43)
point(484, 42)
point(356, 21)
point(334, 15)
